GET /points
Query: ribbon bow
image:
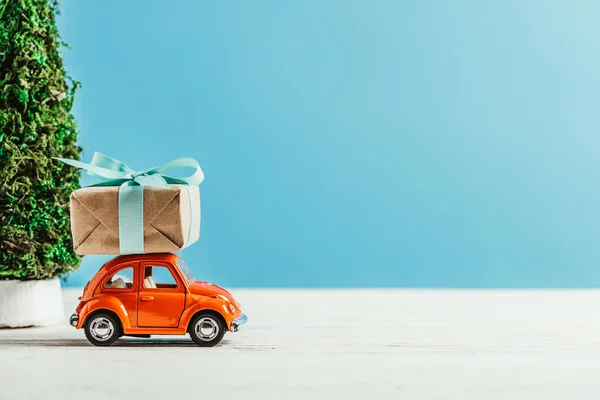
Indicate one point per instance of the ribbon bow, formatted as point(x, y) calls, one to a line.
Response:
point(113, 172)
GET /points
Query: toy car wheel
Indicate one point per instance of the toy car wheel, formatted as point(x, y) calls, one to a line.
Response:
point(207, 330)
point(102, 329)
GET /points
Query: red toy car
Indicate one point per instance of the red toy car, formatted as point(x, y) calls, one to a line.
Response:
point(154, 294)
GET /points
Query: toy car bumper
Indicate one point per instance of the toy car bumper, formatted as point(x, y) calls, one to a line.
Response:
point(74, 319)
point(235, 325)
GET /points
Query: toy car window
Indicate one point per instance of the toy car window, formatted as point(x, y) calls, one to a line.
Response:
point(156, 277)
point(185, 270)
point(122, 279)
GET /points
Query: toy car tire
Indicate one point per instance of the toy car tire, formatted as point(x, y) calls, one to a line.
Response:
point(102, 329)
point(207, 329)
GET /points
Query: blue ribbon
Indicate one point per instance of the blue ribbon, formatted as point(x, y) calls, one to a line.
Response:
point(112, 172)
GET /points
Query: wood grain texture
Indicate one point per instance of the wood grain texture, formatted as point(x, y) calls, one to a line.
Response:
point(329, 344)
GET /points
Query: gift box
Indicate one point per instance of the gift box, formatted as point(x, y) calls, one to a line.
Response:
point(135, 212)
point(168, 223)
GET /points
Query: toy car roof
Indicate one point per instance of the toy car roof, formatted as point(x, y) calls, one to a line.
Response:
point(140, 257)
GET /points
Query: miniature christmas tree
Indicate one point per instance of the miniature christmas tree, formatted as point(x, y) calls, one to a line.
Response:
point(36, 98)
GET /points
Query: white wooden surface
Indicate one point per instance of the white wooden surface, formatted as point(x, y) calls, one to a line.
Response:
point(330, 344)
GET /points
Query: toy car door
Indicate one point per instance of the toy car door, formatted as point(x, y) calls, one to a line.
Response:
point(161, 296)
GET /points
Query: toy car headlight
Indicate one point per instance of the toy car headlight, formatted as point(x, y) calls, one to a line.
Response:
point(231, 308)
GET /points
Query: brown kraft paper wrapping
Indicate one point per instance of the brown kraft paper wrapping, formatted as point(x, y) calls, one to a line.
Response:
point(167, 219)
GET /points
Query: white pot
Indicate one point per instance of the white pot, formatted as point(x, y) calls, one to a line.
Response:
point(30, 303)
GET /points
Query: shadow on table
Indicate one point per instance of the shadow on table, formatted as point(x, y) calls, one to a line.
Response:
point(142, 343)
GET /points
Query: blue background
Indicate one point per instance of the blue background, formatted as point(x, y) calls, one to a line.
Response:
point(358, 143)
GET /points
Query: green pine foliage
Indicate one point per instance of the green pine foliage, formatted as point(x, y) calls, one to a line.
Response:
point(36, 124)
